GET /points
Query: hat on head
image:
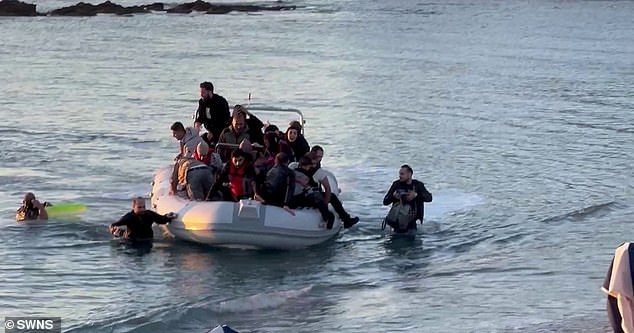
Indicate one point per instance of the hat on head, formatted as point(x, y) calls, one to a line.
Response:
point(295, 124)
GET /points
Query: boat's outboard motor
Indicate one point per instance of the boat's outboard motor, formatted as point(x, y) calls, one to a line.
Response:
point(223, 329)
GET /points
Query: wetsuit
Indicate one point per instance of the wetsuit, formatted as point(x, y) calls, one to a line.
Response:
point(139, 227)
point(27, 213)
point(417, 203)
point(214, 114)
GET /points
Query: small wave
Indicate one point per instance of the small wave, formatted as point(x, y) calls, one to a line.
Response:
point(260, 301)
point(466, 246)
point(582, 213)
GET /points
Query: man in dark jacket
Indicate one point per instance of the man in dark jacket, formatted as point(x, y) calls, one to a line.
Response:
point(279, 185)
point(138, 222)
point(408, 191)
point(213, 111)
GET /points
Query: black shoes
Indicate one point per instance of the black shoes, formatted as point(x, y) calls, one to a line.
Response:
point(349, 222)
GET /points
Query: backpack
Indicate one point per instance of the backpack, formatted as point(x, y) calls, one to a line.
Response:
point(400, 216)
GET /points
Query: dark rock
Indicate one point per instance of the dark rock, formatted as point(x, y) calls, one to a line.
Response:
point(79, 9)
point(179, 10)
point(157, 6)
point(200, 6)
point(186, 8)
point(219, 10)
point(224, 9)
point(203, 6)
point(87, 9)
point(16, 8)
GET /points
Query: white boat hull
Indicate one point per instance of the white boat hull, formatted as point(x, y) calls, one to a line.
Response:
point(244, 224)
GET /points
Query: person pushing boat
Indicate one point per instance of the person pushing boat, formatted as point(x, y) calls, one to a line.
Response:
point(138, 222)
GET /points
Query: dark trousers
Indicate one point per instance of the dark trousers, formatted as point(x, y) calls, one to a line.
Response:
point(271, 198)
point(336, 204)
point(313, 200)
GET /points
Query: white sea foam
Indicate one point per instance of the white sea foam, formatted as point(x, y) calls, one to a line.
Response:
point(260, 301)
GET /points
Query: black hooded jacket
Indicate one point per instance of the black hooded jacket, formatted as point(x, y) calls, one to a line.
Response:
point(422, 196)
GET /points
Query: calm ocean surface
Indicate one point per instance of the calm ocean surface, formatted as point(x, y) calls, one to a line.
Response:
point(517, 115)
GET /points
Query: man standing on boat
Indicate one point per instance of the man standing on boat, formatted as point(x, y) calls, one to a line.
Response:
point(213, 112)
point(138, 222)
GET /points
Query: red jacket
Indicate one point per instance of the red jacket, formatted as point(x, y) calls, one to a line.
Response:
point(205, 159)
point(239, 179)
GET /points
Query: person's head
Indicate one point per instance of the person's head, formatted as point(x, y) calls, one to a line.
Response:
point(272, 129)
point(239, 110)
point(206, 89)
point(28, 197)
point(281, 159)
point(238, 123)
point(318, 153)
point(138, 205)
point(178, 130)
point(405, 173)
point(202, 149)
point(306, 162)
point(296, 125)
point(291, 134)
point(237, 158)
point(271, 141)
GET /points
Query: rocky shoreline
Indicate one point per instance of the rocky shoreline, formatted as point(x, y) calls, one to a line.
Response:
point(18, 8)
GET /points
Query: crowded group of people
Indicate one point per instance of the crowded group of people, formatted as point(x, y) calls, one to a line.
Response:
point(239, 157)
